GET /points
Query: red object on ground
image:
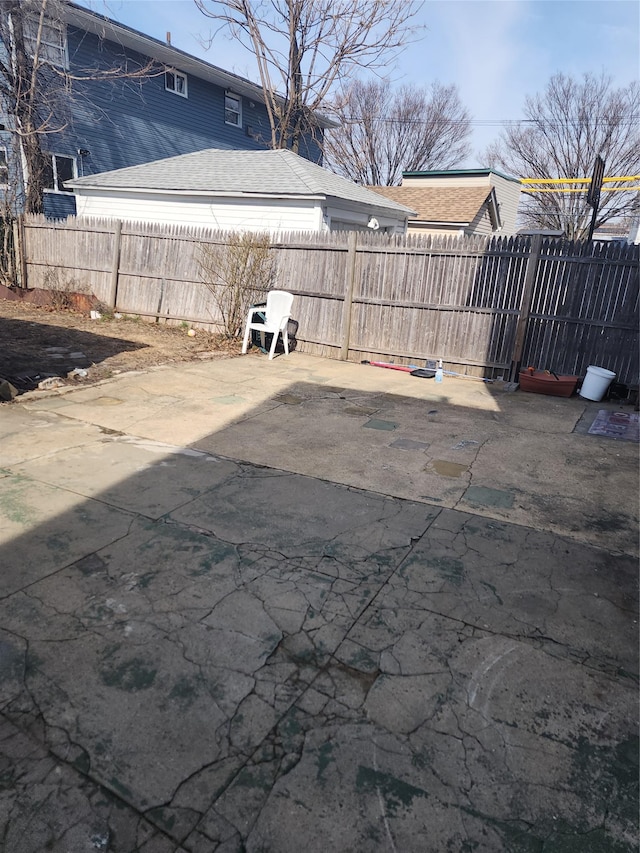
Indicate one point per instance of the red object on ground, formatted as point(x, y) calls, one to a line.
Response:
point(405, 368)
point(540, 382)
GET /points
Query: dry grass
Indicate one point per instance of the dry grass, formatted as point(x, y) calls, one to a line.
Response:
point(36, 342)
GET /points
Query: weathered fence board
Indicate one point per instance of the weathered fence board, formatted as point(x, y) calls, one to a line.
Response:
point(483, 305)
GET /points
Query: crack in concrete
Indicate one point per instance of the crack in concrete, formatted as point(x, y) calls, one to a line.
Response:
point(325, 673)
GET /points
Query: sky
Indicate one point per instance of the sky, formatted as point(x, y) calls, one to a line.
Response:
point(495, 51)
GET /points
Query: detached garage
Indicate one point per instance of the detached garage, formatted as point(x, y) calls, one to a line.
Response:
point(238, 190)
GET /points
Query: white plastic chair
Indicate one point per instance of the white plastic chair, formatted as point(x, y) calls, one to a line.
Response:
point(276, 312)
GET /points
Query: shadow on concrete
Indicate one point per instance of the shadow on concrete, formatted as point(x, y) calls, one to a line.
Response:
point(204, 651)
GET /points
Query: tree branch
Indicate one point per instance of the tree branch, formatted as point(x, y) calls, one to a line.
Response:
point(308, 46)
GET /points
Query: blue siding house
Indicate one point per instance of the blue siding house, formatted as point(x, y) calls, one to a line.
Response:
point(184, 105)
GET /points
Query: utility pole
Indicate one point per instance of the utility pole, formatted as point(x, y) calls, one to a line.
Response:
point(593, 196)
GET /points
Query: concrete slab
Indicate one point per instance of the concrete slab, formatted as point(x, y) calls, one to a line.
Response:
point(24, 435)
point(53, 806)
point(166, 476)
point(485, 497)
point(522, 444)
point(244, 625)
point(43, 529)
point(409, 444)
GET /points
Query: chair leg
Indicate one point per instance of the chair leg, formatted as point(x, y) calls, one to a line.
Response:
point(245, 340)
point(285, 340)
point(274, 341)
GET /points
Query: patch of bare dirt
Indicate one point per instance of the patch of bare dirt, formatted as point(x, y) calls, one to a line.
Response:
point(39, 342)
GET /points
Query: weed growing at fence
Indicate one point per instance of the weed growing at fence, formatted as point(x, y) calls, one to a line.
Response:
point(238, 275)
point(61, 289)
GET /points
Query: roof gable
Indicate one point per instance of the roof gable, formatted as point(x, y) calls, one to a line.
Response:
point(452, 205)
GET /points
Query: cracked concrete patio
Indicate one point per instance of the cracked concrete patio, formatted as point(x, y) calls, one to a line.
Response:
point(303, 604)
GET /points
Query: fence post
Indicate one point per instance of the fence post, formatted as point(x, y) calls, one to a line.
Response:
point(10, 240)
point(350, 278)
point(20, 252)
point(115, 265)
point(525, 307)
point(160, 298)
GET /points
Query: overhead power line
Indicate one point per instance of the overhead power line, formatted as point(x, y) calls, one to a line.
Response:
point(498, 122)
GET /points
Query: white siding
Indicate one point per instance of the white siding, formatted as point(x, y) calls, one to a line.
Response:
point(244, 215)
point(452, 181)
point(508, 195)
point(343, 217)
point(439, 230)
point(481, 225)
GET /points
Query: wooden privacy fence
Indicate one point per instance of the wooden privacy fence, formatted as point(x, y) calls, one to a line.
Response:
point(483, 305)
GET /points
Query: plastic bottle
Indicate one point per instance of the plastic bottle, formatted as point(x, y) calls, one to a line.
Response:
point(439, 372)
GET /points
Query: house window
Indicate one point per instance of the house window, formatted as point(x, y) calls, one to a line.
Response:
point(53, 41)
point(176, 82)
point(4, 168)
point(233, 109)
point(57, 170)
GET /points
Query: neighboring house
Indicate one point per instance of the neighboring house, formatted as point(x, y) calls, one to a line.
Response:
point(240, 190)
point(186, 105)
point(460, 202)
point(618, 232)
point(625, 232)
point(634, 231)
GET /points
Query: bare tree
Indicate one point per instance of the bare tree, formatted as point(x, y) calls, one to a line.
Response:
point(384, 132)
point(18, 86)
point(238, 274)
point(565, 129)
point(36, 87)
point(304, 47)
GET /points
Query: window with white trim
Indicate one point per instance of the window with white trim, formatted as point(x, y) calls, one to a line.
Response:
point(176, 82)
point(53, 41)
point(57, 170)
point(4, 168)
point(233, 109)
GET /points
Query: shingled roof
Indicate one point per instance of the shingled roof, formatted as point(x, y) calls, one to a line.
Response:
point(452, 205)
point(217, 172)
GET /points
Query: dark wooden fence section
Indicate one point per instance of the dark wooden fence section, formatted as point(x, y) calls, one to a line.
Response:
point(483, 305)
point(584, 309)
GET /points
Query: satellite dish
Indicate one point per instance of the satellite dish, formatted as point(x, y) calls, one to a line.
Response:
point(373, 223)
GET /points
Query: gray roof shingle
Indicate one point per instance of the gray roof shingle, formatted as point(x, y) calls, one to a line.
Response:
point(238, 173)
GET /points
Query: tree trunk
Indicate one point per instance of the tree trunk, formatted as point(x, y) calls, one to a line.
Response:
point(25, 115)
point(32, 169)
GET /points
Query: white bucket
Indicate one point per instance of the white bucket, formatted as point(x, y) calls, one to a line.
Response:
point(596, 383)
